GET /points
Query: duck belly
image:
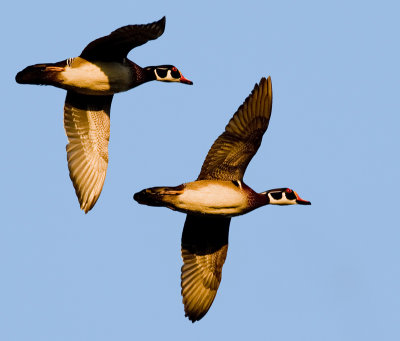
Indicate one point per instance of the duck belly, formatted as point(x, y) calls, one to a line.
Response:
point(222, 198)
point(99, 78)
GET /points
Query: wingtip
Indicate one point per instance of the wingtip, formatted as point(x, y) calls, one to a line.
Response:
point(85, 207)
point(191, 315)
point(260, 85)
point(162, 22)
point(193, 318)
point(266, 84)
point(263, 80)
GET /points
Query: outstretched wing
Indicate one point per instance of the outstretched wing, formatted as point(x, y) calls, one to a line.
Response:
point(204, 249)
point(87, 125)
point(118, 43)
point(235, 147)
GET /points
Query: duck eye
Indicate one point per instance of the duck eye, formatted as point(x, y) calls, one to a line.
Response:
point(288, 190)
point(175, 73)
point(290, 195)
point(162, 73)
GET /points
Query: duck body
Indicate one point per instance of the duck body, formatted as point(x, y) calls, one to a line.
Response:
point(91, 80)
point(218, 194)
point(205, 197)
point(86, 77)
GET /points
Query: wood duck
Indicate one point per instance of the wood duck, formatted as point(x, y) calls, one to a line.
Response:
point(218, 194)
point(91, 80)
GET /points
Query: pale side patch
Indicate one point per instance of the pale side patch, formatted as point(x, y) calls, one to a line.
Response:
point(96, 79)
point(213, 198)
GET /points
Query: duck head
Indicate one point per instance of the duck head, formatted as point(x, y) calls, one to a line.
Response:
point(167, 73)
point(284, 196)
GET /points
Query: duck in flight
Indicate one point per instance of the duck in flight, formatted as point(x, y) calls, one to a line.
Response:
point(218, 194)
point(91, 80)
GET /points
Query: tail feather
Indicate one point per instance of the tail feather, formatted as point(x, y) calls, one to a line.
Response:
point(41, 74)
point(157, 196)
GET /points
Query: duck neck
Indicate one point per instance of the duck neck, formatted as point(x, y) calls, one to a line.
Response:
point(261, 199)
point(149, 74)
point(140, 75)
point(255, 199)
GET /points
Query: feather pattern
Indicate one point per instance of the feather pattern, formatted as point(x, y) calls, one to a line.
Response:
point(116, 46)
point(87, 125)
point(204, 250)
point(231, 153)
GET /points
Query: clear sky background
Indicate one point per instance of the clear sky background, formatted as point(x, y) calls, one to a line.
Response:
point(329, 271)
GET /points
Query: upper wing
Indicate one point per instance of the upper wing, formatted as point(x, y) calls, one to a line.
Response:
point(87, 125)
point(235, 147)
point(204, 248)
point(118, 43)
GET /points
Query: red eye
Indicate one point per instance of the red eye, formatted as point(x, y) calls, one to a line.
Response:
point(174, 69)
point(288, 190)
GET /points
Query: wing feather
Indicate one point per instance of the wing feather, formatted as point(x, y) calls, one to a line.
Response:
point(231, 153)
point(87, 125)
point(204, 249)
point(118, 43)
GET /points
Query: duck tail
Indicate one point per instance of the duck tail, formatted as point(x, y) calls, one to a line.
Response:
point(41, 74)
point(157, 196)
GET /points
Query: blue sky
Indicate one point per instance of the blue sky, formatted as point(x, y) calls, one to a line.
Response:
point(329, 271)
